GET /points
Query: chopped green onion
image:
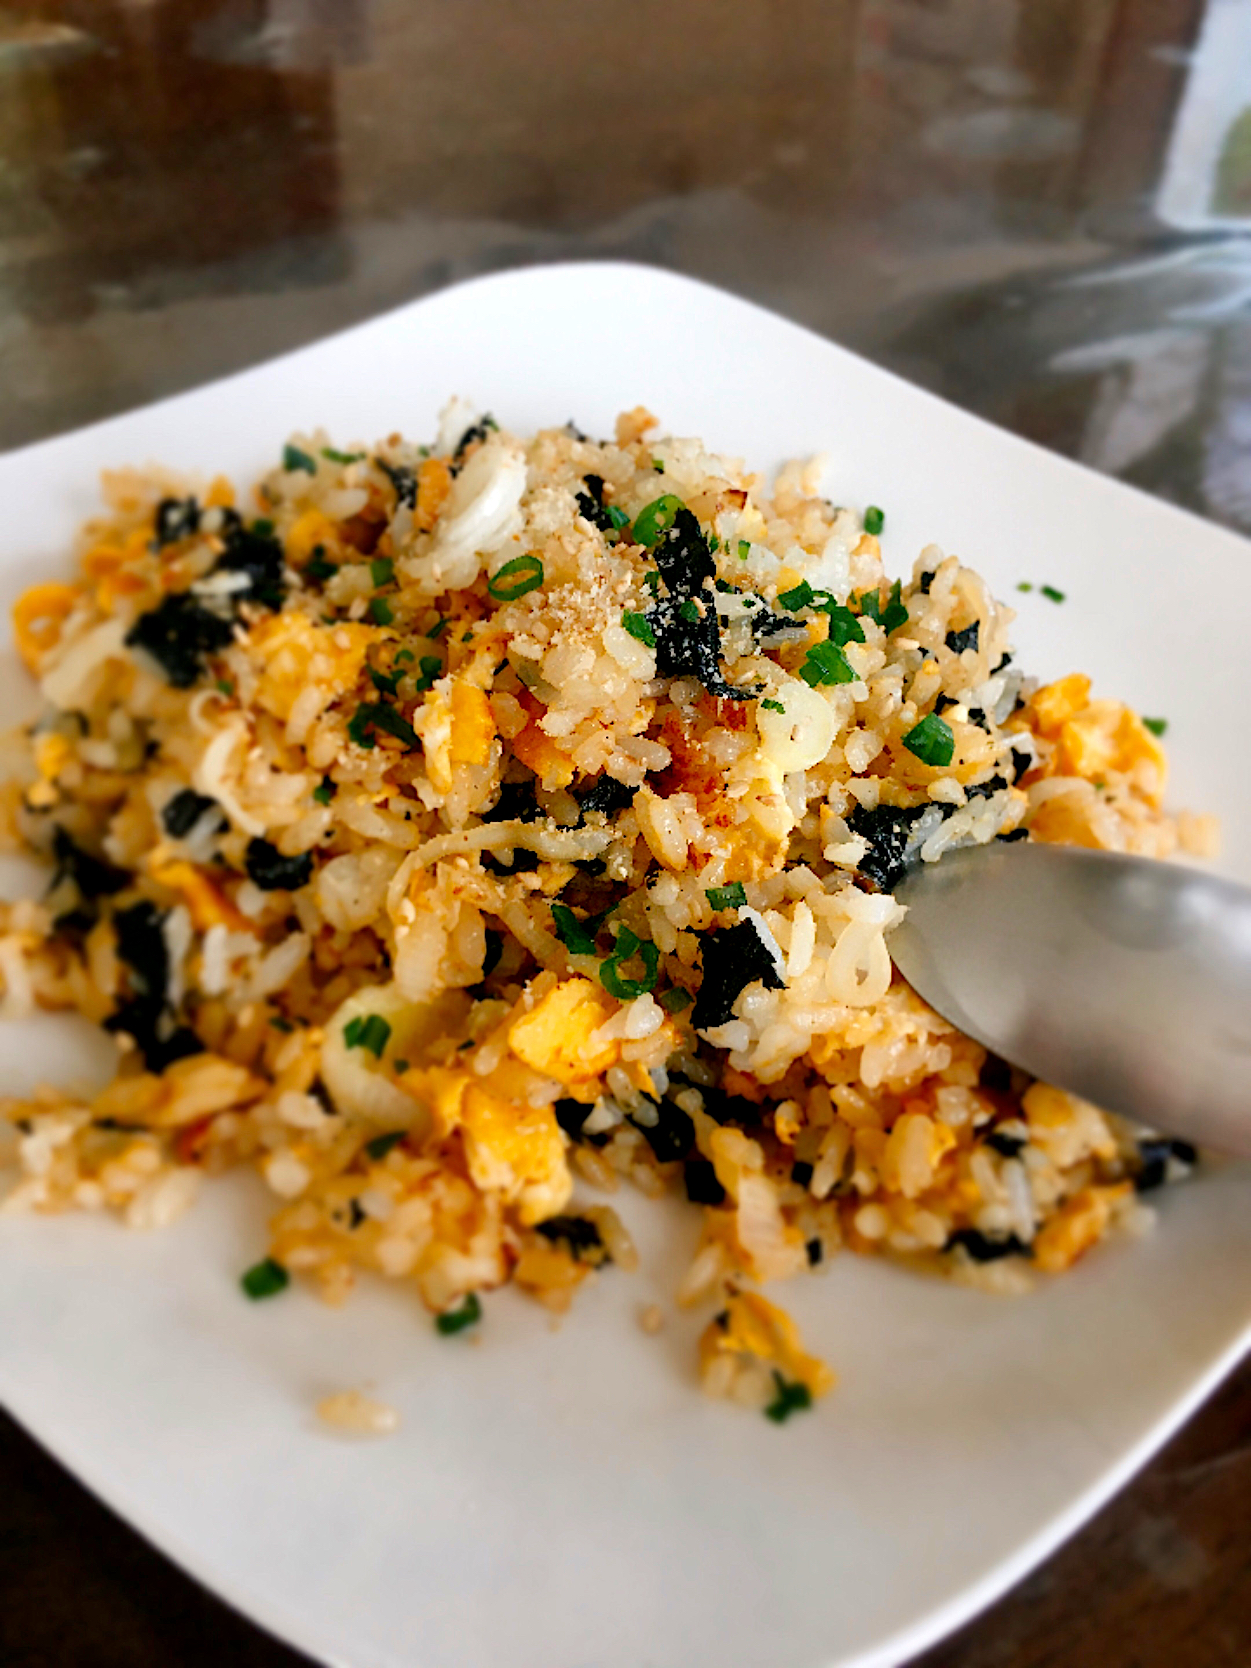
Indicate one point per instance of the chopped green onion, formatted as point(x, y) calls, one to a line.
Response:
point(894, 614)
point(844, 626)
point(319, 567)
point(773, 706)
point(673, 1001)
point(801, 596)
point(1157, 726)
point(225, 687)
point(791, 1398)
point(617, 516)
point(380, 608)
point(382, 570)
point(1050, 592)
point(689, 610)
point(438, 628)
point(368, 1031)
point(1024, 585)
point(638, 626)
point(714, 543)
point(578, 937)
point(325, 793)
point(381, 1145)
point(652, 580)
point(399, 1067)
point(628, 945)
point(931, 741)
point(404, 658)
point(744, 549)
point(377, 715)
point(658, 466)
point(656, 518)
point(874, 519)
point(293, 458)
point(431, 667)
point(263, 528)
point(281, 1024)
point(515, 578)
point(341, 457)
point(456, 1320)
point(826, 663)
point(387, 682)
point(265, 1279)
point(726, 897)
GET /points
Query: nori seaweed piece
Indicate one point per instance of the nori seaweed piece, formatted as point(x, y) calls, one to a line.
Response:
point(272, 872)
point(571, 1115)
point(1007, 1146)
point(924, 583)
point(983, 790)
point(184, 810)
point(691, 648)
point(404, 480)
point(176, 518)
point(475, 431)
point(801, 1172)
point(683, 556)
point(996, 1074)
point(886, 828)
point(143, 1015)
point(524, 862)
point(702, 1186)
point(178, 634)
point(1155, 1153)
point(959, 641)
point(942, 702)
point(982, 1249)
point(605, 794)
point(672, 1135)
point(516, 803)
point(494, 950)
point(591, 504)
point(259, 556)
point(1021, 762)
point(731, 1109)
point(977, 716)
point(93, 876)
point(732, 958)
point(764, 624)
point(1014, 834)
point(579, 1233)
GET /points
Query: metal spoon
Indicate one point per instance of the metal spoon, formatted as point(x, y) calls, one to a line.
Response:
point(1124, 980)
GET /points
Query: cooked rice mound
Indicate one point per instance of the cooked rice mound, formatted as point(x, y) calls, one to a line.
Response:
point(465, 826)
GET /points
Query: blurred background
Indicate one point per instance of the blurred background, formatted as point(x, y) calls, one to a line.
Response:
point(1040, 209)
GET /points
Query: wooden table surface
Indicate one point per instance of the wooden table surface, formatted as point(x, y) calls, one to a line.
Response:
point(922, 180)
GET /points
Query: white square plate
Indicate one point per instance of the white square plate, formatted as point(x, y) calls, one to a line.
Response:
point(570, 1500)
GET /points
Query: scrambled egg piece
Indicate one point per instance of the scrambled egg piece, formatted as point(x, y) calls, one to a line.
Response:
point(293, 653)
point(457, 727)
point(554, 1038)
point(38, 616)
point(751, 1325)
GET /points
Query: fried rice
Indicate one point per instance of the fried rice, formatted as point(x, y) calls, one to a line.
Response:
point(465, 829)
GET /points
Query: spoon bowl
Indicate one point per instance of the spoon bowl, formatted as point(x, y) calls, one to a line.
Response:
point(1124, 980)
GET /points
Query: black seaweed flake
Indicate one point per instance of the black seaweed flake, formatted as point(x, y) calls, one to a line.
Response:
point(801, 1172)
point(571, 1115)
point(272, 872)
point(764, 624)
point(1007, 1146)
point(959, 641)
point(672, 1135)
point(690, 647)
point(1021, 762)
point(475, 432)
point(732, 958)
point(702, 1186)
point(93, 877)
point(144, 1014)
point(1013, 834)
point(404, 480)
point(1155, 1152)
point(683, 557)
point(184, 810)
point(605, 794)
point(1004, 661)
point(259, 556)
point(176, 518)
point(815, 1250)
point(516, 803)
point(983, 1249)
point(178, 634)
point(977, 716)
point(886, 828)
point(591, 505)
point(491, 955)
point(983, 790)
point(942, 702)
point(579, 1234)
point(524, 862)
point(924, 583)
point(996, 1074)
point(723, 1108)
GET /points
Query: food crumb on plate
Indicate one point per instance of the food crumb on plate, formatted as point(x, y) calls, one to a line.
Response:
point(357, 1414)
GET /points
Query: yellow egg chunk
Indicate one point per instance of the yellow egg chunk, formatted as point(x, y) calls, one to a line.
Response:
point(516, 1150)
point(554, 1038)
point(751, 1325)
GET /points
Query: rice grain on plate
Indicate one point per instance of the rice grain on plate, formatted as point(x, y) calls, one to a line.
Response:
point(453, 823)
